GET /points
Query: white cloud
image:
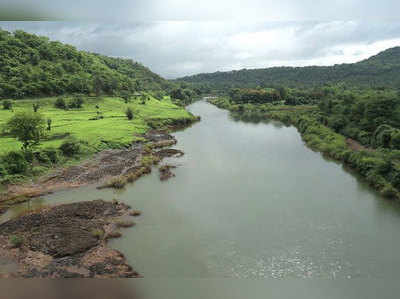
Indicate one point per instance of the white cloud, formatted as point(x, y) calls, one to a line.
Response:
point(179, 48)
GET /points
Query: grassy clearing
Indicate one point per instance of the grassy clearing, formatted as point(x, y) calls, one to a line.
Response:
point(112, 130)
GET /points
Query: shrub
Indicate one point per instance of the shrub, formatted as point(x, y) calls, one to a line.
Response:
point(97, 232)
point(7, 105)
point(35, 107)
point(116, 183)
point(70, 147)
point(49, 121)
point(52, 155)
point(15, 163)
point(129, 113)
point(60, 103)
point(37, 170)
point(3, 171)
point(76, 102)
point(27, 127)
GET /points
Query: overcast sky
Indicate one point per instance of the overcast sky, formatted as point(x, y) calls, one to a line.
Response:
point(176, 38)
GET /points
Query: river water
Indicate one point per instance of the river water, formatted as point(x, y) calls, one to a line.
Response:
point(251, 201)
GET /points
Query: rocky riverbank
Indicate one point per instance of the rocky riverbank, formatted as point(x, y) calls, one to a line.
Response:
point(110, 168)
point(66, 241)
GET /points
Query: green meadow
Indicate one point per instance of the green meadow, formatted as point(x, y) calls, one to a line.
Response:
point(114, 129)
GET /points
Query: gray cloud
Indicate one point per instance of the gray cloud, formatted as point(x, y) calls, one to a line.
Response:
point(167, 10)
point(180, 48)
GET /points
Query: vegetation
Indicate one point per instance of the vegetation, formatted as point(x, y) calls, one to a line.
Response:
point(379, 71)
point(380, 166)
point(15, 241)
point(27, 127)
point(32, 66)
point(73, 134)
point(129, 113)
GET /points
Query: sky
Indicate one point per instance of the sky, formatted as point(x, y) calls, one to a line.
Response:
point(175, 38)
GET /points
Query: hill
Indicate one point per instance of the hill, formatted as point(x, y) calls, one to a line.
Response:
point(32, 65)
point(382, 70)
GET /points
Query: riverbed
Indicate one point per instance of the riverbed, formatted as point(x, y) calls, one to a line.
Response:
point(250, 200)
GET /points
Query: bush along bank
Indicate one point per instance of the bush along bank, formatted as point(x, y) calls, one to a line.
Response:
point(380, 167)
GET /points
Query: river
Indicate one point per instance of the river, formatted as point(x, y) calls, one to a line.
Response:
point(250, 200)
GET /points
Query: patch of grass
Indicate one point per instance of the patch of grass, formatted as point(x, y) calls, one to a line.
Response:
point(98, 233)
point(149, 160)
point(133, 176)
point(16, 241)
point(114, 128)
point(116, 183)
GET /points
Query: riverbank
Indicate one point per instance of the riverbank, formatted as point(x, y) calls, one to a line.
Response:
point(75, 134)
point(66, 241)
point(113, 168)
point(378, 167)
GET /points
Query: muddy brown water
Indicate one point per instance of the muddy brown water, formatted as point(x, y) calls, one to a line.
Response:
point(251, 202)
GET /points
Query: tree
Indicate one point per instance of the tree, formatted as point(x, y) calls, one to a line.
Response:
point(129, 113)
point(27, 127)
point(76, 102)
point(282, 93)
point(49, 121)
point(60, 103)
point(7, 105)
point(35, 107)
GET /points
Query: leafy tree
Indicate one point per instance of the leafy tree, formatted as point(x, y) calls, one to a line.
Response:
point(60, 103)
point(76, 102)
point(7, 105)
point(129, 113)
point(27, 127)
point(35, 107)
point(49, 121)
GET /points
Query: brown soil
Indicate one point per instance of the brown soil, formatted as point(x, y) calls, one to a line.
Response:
point(63, 241)
point(356, 146)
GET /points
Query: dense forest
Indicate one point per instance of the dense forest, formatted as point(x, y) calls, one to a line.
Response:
point(32, 65)
point(382, 70)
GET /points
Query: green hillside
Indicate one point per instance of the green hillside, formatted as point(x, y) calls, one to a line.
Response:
point(32, 66)
point(382, 70)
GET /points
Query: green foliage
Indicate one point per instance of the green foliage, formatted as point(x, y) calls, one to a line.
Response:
point(32, 66)
point(16, 241)
point(14, 163)
point(60, 103)
point(35, 107)
point(70, 147)
point(7, 105)
point(27, 127)
point(381, 70)
point(49, 121)
point(76, 102)
point(129, 113)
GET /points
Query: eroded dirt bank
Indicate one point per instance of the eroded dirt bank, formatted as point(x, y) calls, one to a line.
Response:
point(66, 241)
point(109, 168)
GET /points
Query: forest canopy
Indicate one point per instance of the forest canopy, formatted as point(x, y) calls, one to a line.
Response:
point(32, 65)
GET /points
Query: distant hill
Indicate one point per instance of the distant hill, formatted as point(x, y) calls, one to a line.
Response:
point(382, 70)
point(32, 65)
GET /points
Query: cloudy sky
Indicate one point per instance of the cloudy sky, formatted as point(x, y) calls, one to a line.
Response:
point(176, 38)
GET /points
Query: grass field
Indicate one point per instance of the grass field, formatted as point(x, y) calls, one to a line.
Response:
point(113, 128)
